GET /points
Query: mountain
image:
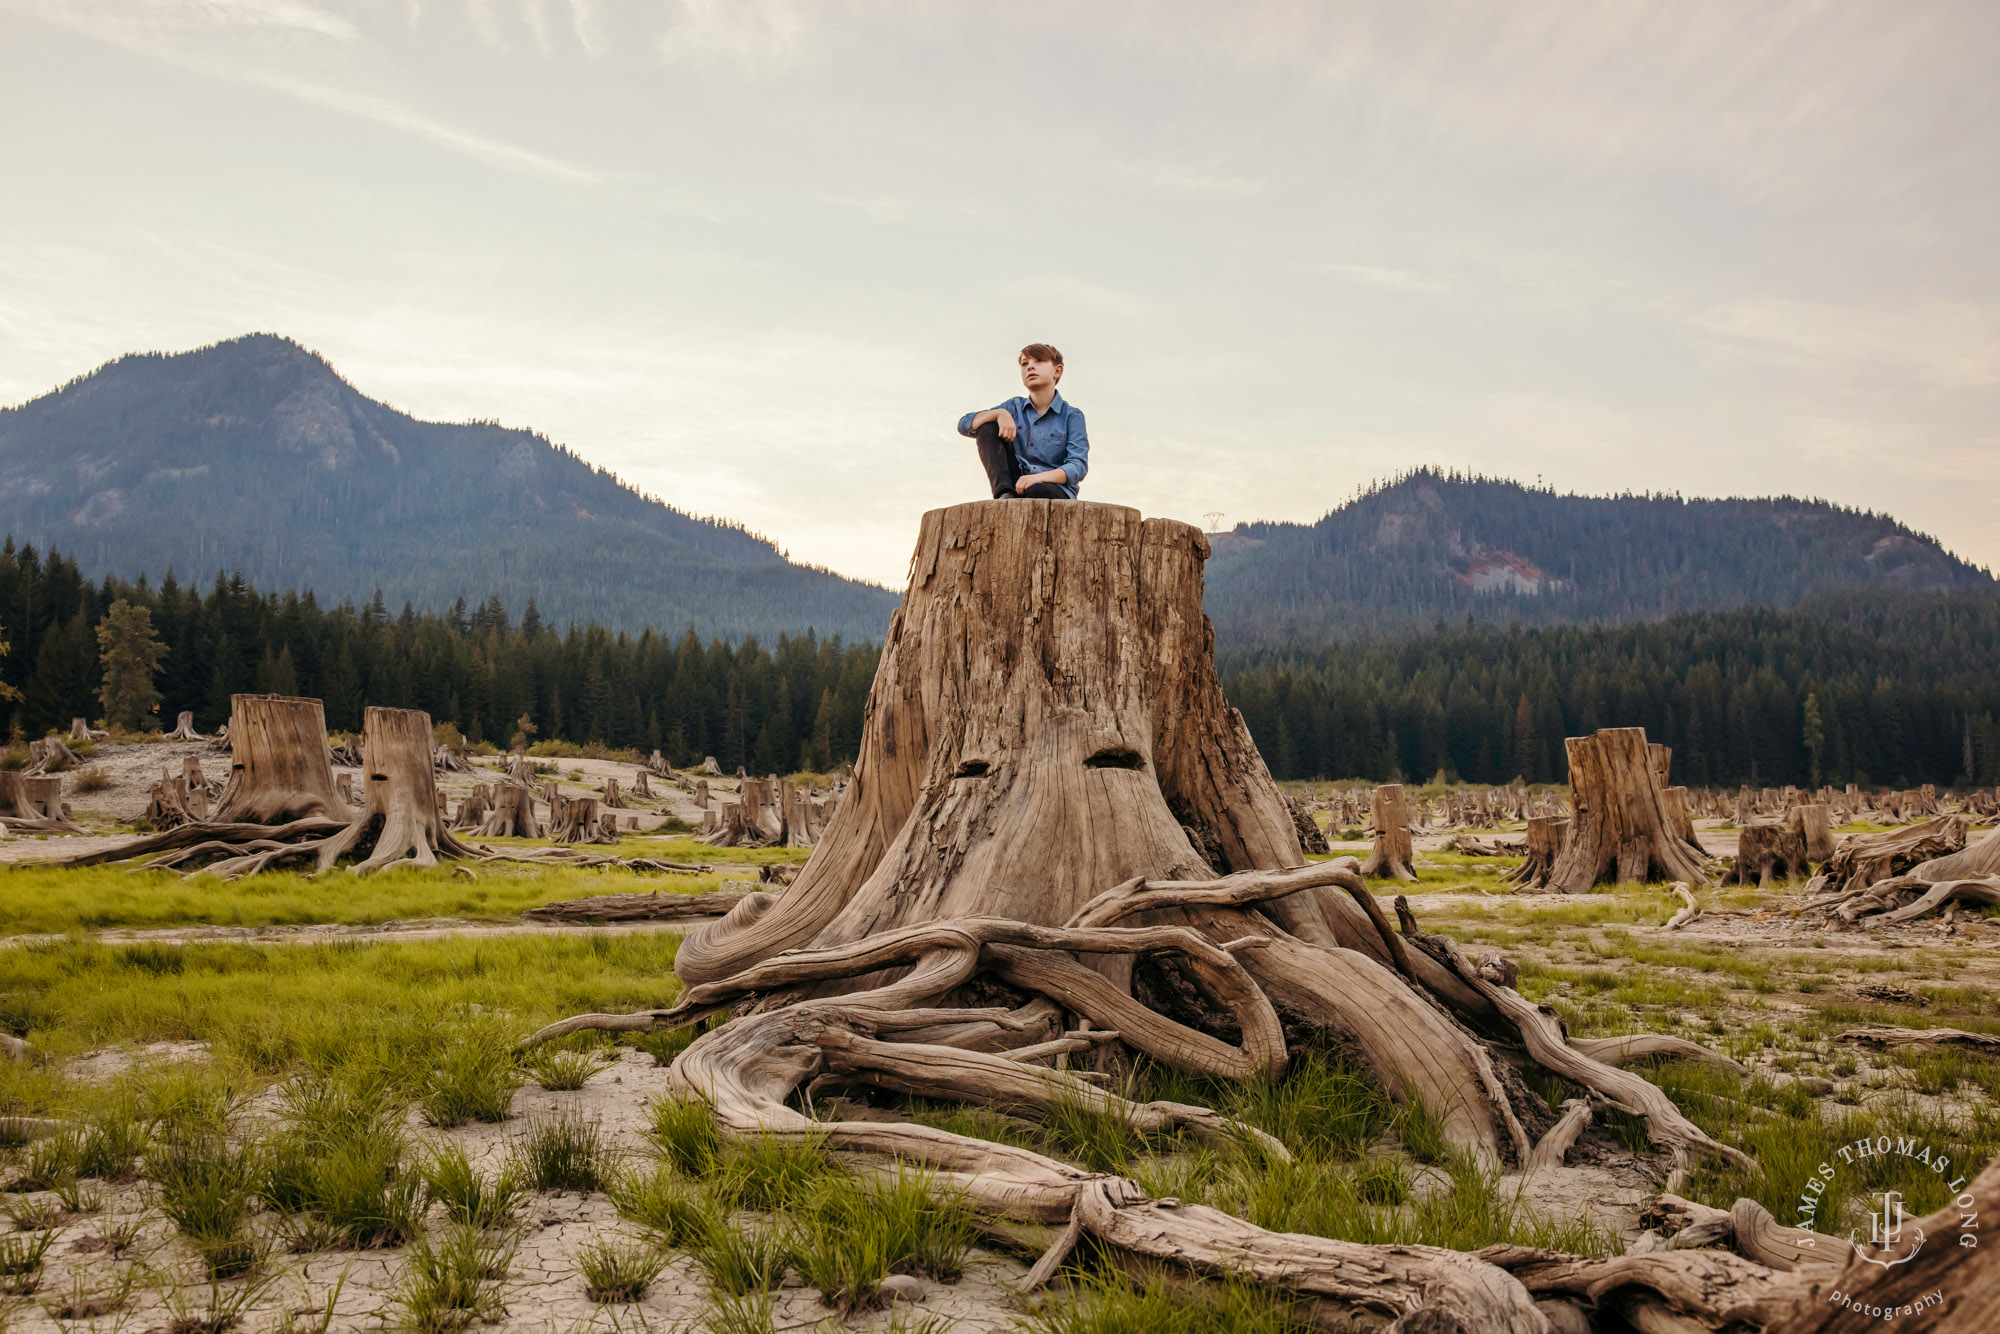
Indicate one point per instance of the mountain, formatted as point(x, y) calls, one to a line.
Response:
point(1434, 546)
point(254, 455)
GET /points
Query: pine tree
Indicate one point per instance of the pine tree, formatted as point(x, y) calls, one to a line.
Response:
point(1814, 735)
point(132, 654)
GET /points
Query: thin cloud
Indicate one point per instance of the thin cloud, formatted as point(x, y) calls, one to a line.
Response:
point(1945, 344)
point(1397, 280)
point(493, 152)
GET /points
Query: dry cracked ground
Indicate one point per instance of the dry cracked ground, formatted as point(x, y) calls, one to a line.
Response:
point(225, 1011)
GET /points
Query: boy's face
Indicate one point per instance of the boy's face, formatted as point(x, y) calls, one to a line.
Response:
point(1039, 374)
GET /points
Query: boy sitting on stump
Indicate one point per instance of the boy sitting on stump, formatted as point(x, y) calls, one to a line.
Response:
point(1033, 447)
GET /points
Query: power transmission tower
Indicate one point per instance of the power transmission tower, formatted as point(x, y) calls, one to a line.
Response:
point(1214, 518)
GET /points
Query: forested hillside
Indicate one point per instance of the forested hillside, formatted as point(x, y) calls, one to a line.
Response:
point(254, 456)
point(1434, 547)
point(796, 704)
point(1903, 686)
point(1864, 688)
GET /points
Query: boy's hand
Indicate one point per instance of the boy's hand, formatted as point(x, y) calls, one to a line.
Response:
point(1005, 421)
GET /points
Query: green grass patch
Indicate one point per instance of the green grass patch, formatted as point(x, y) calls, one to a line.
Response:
point(48, 900)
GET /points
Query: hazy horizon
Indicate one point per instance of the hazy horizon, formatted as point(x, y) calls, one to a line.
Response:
point(756, 258)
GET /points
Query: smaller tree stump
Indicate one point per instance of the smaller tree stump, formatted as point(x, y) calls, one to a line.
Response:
point(1545, 838)
point(1390, 852)
point(472, 812)
point(613, 798)
point(512, 814)
point(279, 768)
point(1311, 837)
point(32, 803)
point(1762, 847)
point(573, 820)
point(81, 730)
point(184, 728)
point(710, 768)
point(1622, 831)
point(1682, 823)
point(642, 786)
point(1814, 829)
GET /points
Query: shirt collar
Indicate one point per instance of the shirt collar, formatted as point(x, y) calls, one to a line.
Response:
point(1056, 404)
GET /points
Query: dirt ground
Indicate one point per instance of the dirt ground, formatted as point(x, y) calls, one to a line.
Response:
point(544, 1293)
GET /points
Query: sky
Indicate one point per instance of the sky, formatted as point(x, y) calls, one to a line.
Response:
point(758, 256)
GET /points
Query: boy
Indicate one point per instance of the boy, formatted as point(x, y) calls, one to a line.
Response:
point(1033, 447)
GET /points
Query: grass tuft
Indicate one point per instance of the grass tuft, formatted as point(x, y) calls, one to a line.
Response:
point(683, 1131)
point(453, 1281)
point(675, 1212)
point(740, 1261)
point(205, 1186)
point(468, 1198)
point(567, 1069)
point(21, 1260)
point(473, 1080)
point(847, 1237)
point(563, 1152)
point(618, 1271)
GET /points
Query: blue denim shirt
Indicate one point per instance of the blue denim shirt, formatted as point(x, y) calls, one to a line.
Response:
point(1052, 439)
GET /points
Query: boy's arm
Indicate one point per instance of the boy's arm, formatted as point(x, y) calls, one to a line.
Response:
point(970, 423)
point(1075, 463)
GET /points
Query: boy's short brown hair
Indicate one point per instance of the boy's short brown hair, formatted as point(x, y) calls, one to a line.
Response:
point(1041, 352)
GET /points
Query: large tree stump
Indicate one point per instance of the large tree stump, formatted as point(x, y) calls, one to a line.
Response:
point(184, 728)
point(1390, 851)
point(1622, 830)
point(642, 783)
point(279, 769)
point(1051, 786)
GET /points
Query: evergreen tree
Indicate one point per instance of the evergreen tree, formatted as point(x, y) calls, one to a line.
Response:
point(132, 654)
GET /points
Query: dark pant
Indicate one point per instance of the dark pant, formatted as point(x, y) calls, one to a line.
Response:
point(1003, 470)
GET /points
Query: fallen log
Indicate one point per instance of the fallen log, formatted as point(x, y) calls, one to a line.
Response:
point(1922, 1037)
point(654, 907)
